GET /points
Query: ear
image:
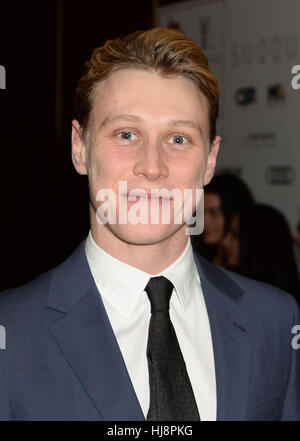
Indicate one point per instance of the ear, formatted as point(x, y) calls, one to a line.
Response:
point(78, 149)
point(211, 160)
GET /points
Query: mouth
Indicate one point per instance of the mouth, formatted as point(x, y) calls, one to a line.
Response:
point(146, 196)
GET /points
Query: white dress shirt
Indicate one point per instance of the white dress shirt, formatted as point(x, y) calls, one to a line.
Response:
point(122, 289)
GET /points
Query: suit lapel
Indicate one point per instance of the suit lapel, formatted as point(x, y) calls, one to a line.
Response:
point(232, 337)
point(86, 339)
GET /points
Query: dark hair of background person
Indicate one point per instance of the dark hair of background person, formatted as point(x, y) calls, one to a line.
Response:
point(235, 197)
point(266, 249)
point(234, 193)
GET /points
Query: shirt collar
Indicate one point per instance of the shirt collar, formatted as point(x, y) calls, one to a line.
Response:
point(122, 284)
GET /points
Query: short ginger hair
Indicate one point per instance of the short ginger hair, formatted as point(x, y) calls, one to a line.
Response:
point(166, 51)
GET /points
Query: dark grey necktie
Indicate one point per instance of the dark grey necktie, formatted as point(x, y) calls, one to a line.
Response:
point(171, 394)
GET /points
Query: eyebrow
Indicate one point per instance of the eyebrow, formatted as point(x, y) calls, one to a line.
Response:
point(139, 119)
point(187, 123)
point(114, 118)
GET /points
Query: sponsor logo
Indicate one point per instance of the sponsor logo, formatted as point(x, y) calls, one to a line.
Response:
point(261, 140)
point(276, 93)
point(265, 50)
point(280, 175)
point(245, 96)
point(204, 28)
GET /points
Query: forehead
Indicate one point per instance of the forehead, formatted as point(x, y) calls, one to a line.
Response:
point(150, 95)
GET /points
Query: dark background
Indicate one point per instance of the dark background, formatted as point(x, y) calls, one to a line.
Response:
point(44, 202)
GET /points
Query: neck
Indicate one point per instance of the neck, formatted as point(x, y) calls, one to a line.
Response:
point(151, 258)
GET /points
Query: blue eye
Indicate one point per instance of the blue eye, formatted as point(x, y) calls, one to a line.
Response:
point(179, 139)
point(127, 136)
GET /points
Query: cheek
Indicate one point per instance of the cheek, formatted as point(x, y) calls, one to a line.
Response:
point(198, 170)
point(103, 167)
point(221, 223)
point(190, 173)
point(94, 171)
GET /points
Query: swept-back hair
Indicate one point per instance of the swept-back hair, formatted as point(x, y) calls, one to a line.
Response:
point(163, 50)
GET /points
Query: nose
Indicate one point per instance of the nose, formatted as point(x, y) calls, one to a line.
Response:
point(150, 163)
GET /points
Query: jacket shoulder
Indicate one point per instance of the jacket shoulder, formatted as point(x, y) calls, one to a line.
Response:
point(259, 297)
point(31, 293)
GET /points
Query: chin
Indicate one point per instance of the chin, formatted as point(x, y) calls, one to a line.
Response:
point(144, 234)
point(209, 241)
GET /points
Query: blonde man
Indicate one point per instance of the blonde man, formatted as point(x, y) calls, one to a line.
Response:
point(134, 325)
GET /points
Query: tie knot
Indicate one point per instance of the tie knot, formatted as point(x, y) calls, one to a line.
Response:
point(159, 291)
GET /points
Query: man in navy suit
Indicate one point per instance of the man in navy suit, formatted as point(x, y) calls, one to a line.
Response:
point(76, 337)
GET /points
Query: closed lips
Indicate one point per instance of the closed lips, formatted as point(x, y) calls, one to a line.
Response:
point(138, 195)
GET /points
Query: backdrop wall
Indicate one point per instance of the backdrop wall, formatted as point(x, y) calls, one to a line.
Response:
point(251, 46)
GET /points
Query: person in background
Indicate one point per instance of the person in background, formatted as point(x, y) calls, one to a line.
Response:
point(259, 245)
point(225, 196)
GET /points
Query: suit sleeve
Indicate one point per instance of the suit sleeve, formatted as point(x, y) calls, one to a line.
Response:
point(291, 407)
point(5, 411)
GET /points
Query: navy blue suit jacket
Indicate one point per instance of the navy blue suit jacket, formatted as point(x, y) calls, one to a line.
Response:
point(62, 360)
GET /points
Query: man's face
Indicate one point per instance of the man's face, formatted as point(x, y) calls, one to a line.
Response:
point(151, 132)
